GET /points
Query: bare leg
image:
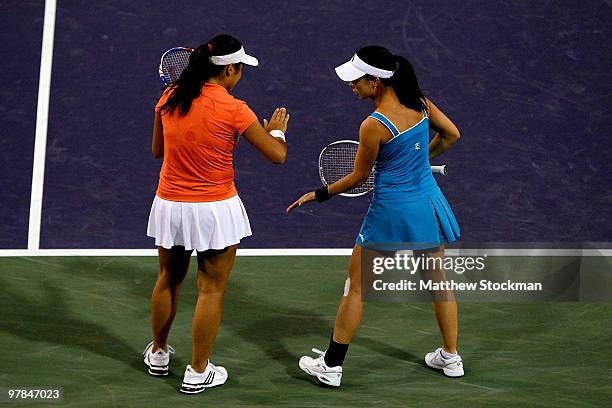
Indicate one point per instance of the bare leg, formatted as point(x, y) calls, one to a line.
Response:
point(444, 304)
point(350, 310)
point(214, 268)
point(446, 315)
point(173, 266)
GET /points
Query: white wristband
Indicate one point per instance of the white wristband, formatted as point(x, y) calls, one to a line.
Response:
point(279, 134)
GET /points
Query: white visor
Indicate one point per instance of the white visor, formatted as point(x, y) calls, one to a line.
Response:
point(234, 58)
point(356, 68)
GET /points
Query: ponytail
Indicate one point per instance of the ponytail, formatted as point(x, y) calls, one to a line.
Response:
point(406, 85)
point(189, 85)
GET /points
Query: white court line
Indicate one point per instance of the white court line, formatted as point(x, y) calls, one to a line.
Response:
point(42, 119)
point(304, 252)
point(153, 252)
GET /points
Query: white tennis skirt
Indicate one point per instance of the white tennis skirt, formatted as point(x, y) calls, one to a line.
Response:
point(199, 226)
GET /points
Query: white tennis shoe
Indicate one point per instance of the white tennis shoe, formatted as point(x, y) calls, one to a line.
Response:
point(452, 367)
point(317, 368)
point(158, 362)
point(194, 382)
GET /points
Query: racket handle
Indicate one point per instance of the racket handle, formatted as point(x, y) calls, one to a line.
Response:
point(439, 170)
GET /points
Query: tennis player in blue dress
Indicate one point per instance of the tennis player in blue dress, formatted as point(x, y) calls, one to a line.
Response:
point(407, 205)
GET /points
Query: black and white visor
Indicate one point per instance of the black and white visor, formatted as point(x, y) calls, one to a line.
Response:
point(356, 68)
point(234, 58)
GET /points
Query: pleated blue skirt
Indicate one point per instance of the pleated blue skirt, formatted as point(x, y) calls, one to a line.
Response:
point(415, 222)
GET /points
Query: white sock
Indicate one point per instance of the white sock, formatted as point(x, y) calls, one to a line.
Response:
point(447, 356)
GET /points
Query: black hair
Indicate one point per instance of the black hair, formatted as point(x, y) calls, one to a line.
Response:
point(189, 85)
point(404, 81)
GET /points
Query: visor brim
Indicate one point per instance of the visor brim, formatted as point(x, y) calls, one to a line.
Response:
point(349, 72)
point(249, 60)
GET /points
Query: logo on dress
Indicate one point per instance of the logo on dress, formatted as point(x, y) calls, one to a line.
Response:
point(417, 146)
point(361, 236)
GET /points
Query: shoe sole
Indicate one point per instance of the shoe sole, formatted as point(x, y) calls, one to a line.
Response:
point(317, 377)
point(452, 375)
point(156, 371)
point(447, 373)
point(190, 390)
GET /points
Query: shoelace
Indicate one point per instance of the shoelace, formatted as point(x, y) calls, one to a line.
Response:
point(170, 349)
point(319, 352)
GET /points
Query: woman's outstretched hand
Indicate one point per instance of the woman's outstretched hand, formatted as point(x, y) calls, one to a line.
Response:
point(278, 121)
point(302, 200)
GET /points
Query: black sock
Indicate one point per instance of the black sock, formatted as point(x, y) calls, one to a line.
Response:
point(335, 354)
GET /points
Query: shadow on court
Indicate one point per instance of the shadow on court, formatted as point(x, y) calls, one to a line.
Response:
point(48, 318)
point(389, 350)
point(82, 324)
point(40, 311)
point(66, 311)
point(272, 325)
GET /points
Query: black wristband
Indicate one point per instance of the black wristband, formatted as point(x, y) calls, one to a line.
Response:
point(322, 194)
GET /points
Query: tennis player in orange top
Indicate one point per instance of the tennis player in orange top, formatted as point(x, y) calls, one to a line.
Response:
point(197, 126)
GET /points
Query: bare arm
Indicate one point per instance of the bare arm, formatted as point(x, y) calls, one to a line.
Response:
point(447, 133)
point(370, 135)
point(273, 149)
point(157, 145)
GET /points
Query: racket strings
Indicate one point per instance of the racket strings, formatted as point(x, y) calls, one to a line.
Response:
point(174, 63)
point(337, 161)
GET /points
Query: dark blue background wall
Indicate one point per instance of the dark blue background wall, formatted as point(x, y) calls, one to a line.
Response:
point(529, 86)
point(21, 25)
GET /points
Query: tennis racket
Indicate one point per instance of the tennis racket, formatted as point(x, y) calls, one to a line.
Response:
point(173, 63)
point(337, 160)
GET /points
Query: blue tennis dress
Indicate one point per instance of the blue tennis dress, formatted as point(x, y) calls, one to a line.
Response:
point(408, 209)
